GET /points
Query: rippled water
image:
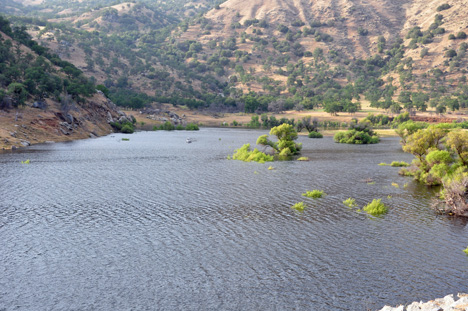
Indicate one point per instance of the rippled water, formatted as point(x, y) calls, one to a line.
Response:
point(158, 224)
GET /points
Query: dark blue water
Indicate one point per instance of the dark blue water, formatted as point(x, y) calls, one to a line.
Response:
point(155, 223)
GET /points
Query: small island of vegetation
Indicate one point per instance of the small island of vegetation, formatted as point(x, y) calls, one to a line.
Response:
point(283, 149)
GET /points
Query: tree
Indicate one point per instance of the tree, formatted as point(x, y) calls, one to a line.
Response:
point(285, 146)
point(18, 93)
point(457, 141)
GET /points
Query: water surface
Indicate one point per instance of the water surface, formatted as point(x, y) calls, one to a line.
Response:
point(155, 223)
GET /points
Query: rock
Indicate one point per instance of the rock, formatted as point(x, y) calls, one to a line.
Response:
point(25, 143)
point(448, 303)
point(14, 147)
point(39, 105)
point(13, 134)
point(69, 118)
point(64, 132)
point(109, 117)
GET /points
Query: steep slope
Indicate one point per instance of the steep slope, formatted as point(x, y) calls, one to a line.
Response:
point(43, 98)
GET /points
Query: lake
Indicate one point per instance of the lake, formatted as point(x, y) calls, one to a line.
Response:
point(155, 223)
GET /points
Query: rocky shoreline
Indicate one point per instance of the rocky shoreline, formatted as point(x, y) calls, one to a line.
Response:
point(448, 303)
point(48, 122)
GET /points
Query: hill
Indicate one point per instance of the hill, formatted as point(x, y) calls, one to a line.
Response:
point(265, 55)
point(43, 98)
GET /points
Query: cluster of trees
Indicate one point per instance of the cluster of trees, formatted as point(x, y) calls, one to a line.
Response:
point(24, 75)
point(441, 158)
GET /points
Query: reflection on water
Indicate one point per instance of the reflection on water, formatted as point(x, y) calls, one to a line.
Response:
point(155, 223)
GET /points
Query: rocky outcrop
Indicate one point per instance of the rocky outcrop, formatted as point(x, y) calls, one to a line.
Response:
point(163, 116)
point(23, 127)
point(448, 303)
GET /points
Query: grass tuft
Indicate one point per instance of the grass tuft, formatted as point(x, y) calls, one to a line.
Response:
point(303, 159)
point(125, 139)
point(25, 162)
point(466, 251)
point(384, 164)
point(376, 208)
point(394, 184)
point(314, 194)
point(271, 168)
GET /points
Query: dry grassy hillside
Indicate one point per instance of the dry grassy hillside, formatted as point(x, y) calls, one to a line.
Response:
point(344, 16)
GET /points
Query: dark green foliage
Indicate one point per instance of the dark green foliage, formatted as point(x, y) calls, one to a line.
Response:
point(315, 135)
point(192, 127)
point(126, 127)
point(443, 7)
point(358, 133)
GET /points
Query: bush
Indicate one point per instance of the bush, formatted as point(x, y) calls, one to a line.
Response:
point(466, 251)
point(299, 206)
point(315, 135)
point(356, 137)
point(350, 202)
point(316, 194)
point(376, 208)
point(443, 7)
point(399, 164)
point(245, 154)
point(167, 126)
point(127, 129)
point(192, 127)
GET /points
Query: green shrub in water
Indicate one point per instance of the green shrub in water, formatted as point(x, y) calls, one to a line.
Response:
point(350, 202)
point(314, 194)
point(299, 206)
point(245, 154)
point(376, 208)
point(466, 251)
point(314, 134)
point(399, 164)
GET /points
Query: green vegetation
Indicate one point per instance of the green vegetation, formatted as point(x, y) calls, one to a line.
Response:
point(358, 133)
point(350, 202)
point(316, 194)
point(25, 162)
point(376, 208)
point(24, 76)
point(299, 206)
point(315, 135)
point(399, 164)
point(168, 126)
point(245, 154)
point(125, 139)
point(466, 251)
point(303, 159)
point(441, 158)
point(383, 164)
point(285, 146)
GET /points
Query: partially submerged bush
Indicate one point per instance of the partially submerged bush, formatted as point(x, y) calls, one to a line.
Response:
point(299, 206)
point(303, 159)
point(455, 192)
point(399, 164)
point(350, 202)
point(466, 251)
point(314, 194)
point(245, 154)
point(314, 134)
point(358, 133)
point(376, 208)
